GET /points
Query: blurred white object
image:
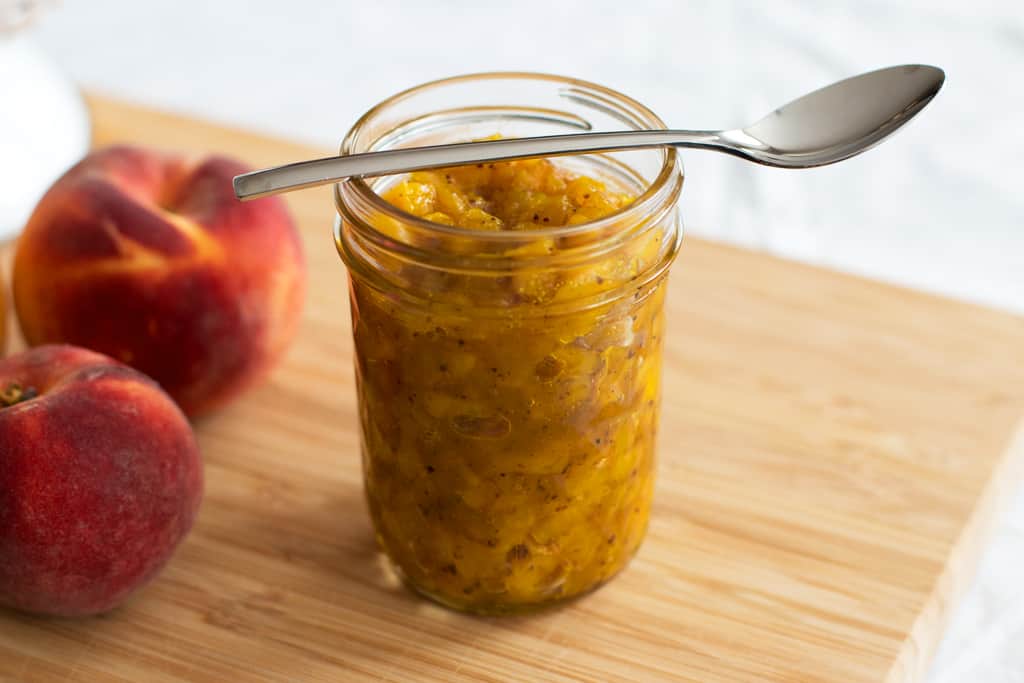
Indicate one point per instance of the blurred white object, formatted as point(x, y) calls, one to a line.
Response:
point(44, 125)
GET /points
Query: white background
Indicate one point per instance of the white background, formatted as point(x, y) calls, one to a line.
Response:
point(938, 207)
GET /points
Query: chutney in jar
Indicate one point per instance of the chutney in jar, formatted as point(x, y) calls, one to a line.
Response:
point(508, 322)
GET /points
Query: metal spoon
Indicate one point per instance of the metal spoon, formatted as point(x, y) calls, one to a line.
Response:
point(823, 127)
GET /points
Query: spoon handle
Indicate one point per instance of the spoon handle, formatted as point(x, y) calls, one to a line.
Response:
point(302, 174)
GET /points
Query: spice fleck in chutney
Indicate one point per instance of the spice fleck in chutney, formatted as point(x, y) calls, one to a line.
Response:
point(508, 323)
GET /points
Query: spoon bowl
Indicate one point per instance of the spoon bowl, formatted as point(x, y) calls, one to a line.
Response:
point(822, 127)
point(839, 120)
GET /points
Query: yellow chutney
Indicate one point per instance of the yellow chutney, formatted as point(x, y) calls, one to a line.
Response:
point(516, 195)
point(508, 323)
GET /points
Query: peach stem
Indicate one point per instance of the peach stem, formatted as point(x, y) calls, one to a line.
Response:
point(14, 393)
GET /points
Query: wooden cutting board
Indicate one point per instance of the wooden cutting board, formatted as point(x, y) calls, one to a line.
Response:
point(832, 452)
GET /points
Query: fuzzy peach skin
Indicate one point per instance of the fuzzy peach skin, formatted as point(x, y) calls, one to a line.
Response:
point(100, 479)
point(150, 259)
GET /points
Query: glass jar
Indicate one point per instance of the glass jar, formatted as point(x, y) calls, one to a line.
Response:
point(509, 381)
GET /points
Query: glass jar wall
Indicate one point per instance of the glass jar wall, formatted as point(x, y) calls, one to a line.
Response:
point(509, 380)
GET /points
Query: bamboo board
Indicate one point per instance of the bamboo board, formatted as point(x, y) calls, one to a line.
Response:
point(832, 453)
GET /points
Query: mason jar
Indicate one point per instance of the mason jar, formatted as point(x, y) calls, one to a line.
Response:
point(509, 381)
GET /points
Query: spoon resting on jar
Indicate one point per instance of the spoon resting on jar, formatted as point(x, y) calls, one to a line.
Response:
point(828, 125)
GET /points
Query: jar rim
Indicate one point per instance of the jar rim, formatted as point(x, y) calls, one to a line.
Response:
point(671, 164)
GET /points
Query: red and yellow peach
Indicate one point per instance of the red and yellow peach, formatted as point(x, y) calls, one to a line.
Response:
point(150, 259)
point(100, 479)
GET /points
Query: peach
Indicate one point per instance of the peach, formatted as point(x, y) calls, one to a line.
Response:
point(150, 259)
point(100, 479)
point(3, 318)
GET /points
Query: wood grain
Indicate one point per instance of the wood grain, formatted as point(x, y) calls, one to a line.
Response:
point(832, 453)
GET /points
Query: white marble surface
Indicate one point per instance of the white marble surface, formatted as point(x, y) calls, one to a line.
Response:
point(939, 207)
